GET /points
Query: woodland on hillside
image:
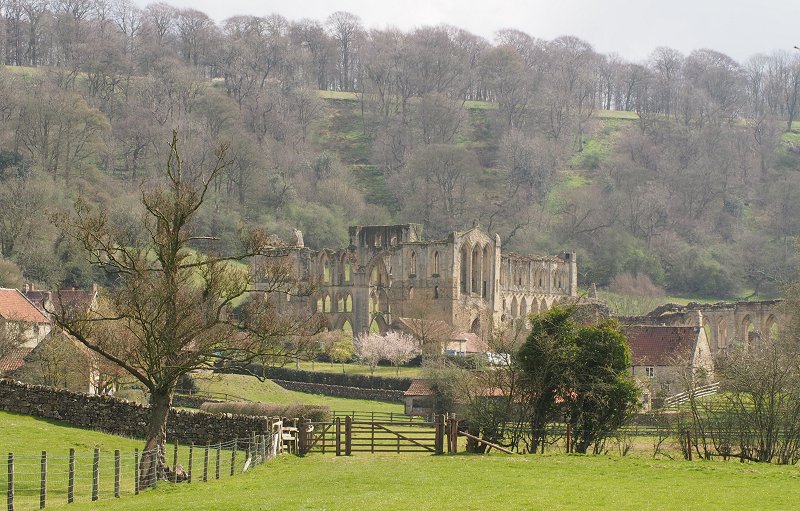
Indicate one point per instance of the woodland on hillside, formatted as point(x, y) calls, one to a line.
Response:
point(678, 173)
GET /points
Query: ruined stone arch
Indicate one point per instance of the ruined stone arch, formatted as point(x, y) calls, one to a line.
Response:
point(487, 265)
point(378, 273)
point(770, 328)
point(347, 328)
point(475, 326)
point(325, 268)
point(436, 262)
point(749, 332)
point(514, 308)
point(465, 250)
point(523, 310)
point(348, 303)
point(347, 267)
point(326, 303)
point(475, 281)
point(722, 333)
point(378, 325)
point(379, 301)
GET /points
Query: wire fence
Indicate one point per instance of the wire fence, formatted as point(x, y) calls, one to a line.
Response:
point(35, 481)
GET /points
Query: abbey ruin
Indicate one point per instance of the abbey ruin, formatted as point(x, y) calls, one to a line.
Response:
point(391, 273)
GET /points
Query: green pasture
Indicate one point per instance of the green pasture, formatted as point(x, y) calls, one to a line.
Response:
point(251, 389)
point(469, 482)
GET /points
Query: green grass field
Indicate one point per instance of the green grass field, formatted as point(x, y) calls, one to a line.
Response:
point(250, 388)
point(466, 482)
point(384, 371)
point(398, 482)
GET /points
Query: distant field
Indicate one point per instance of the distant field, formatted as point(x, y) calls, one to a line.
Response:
point(341, 95)
point(615, 114)
point(385, 371)
point(250, 388)
point(494, 482)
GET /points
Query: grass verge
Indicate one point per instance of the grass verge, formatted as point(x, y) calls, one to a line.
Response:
point(250, 388)
point(424, 482)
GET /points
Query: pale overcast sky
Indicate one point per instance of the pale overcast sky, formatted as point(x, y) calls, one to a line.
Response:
point(631, 28)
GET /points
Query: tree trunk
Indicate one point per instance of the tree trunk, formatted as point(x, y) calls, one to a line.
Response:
point(154, 449)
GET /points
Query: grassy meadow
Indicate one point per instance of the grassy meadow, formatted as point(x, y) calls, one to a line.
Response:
point(251, 389)
point(467, 482)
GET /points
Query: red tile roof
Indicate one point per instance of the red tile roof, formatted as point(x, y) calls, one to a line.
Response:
point(419, 388)
point(13, 360)
point(15, 307)
point(659, 345)
point(474, 343)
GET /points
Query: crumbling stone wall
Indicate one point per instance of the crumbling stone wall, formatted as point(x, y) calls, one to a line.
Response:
point(120, 417)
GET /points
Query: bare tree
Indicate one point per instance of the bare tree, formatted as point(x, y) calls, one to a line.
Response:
point(345, 28)
point(170, 310)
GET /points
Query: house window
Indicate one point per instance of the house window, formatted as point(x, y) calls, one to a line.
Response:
point(650, 372)
point(665, 388)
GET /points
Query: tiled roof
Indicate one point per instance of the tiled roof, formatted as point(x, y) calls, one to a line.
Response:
point(419, 388)
point(659, 345)
point(13, 360)
point(15, 307)
point(474, 343)
point(38, 298)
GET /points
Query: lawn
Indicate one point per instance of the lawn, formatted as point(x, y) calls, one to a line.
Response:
point(250, 388)
point(384, 371)
point(466, 482)
point(27, 437)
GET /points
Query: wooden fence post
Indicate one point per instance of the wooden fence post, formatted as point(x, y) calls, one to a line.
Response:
point(348, 435)
point(233, 455)
point(439, 441)
point(136, 471)
point(96, 474)
point(117, 471)
point(688, 445)
point(10, 482)
point(569, 437)
point(338, 436)
point(205, 465)
point(219, 454)
point(71, 477)
point(191, 459)
point(175, 463)
point(43, 481)
point(263, 448)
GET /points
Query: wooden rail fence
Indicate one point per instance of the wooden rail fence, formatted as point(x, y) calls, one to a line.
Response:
point(346, 435)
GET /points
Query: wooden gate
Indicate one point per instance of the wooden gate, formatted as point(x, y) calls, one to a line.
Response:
point(348, 436)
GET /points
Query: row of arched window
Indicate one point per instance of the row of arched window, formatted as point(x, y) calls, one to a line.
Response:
point(335, 271)
point(532, 278)
point(343, 303)
point(477, 264)
point(412, 267)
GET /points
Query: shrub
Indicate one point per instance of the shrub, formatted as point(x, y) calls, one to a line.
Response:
point(315, 413)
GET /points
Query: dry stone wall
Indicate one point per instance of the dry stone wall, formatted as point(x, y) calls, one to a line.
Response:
point(120, 417)
point(393, 396)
